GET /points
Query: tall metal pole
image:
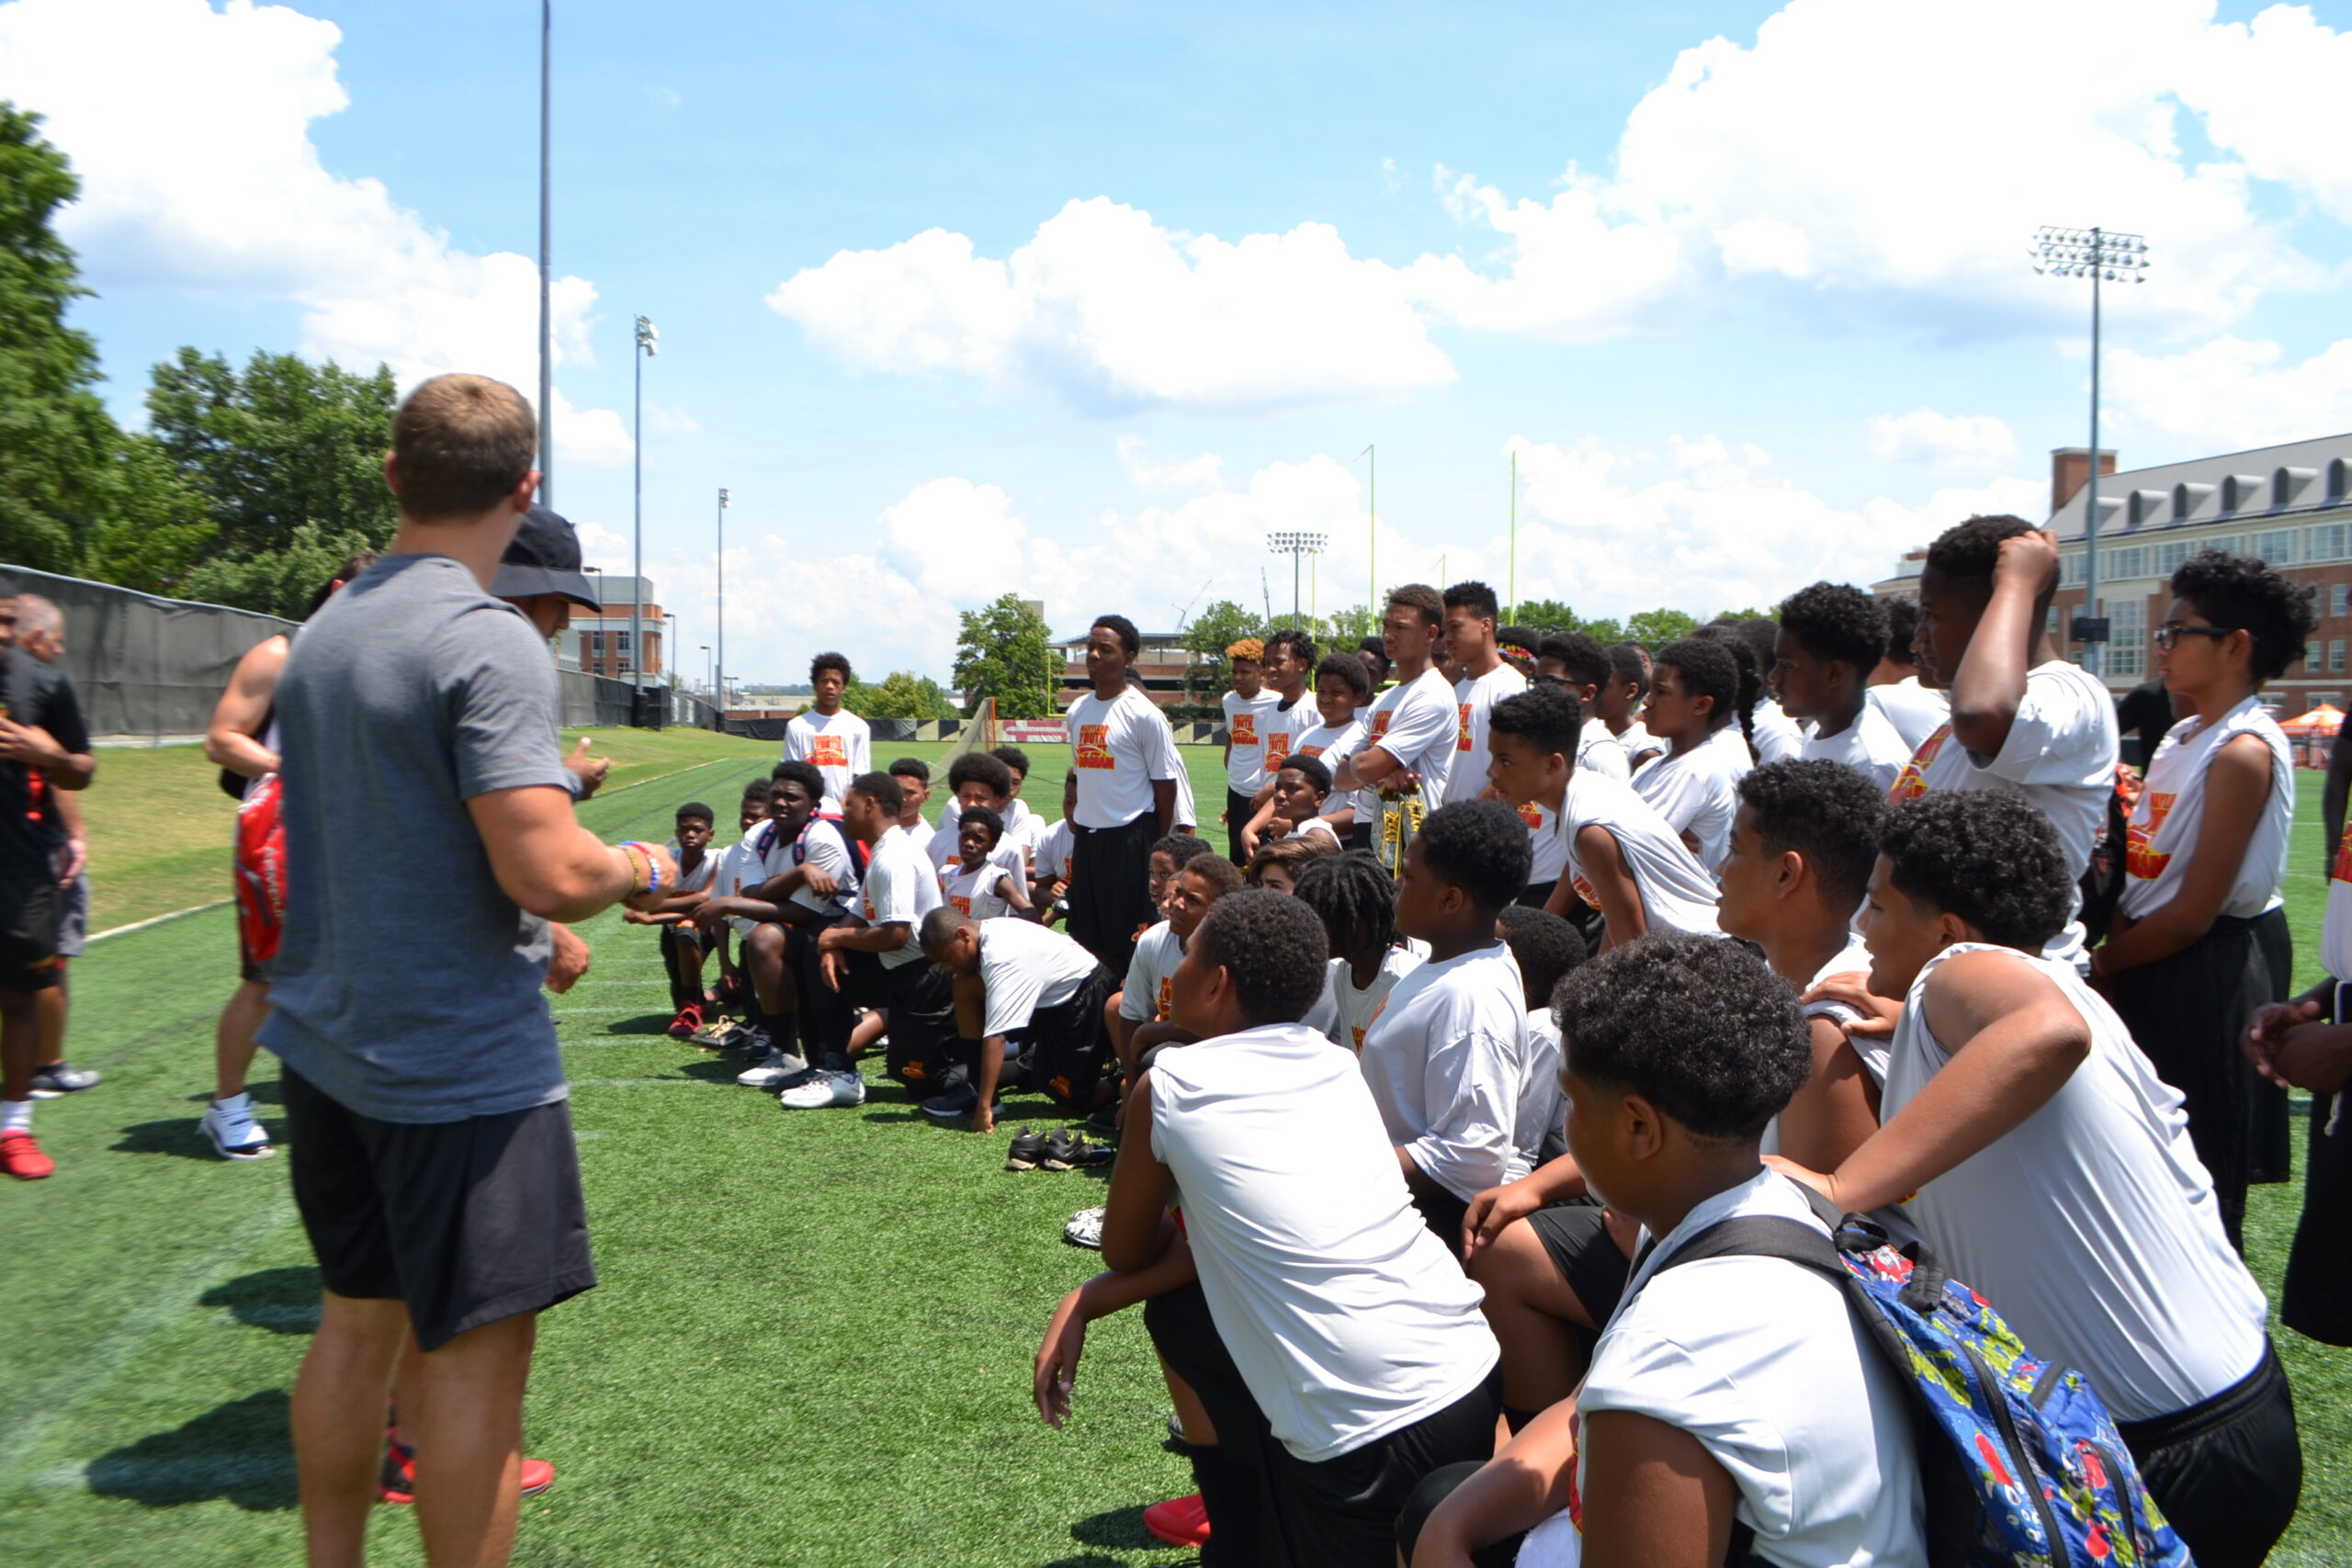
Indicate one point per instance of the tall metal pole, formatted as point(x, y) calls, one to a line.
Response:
point(1296, 558)
point(1510, 610)
point(547, 316)
point(2093, 654)
point(1372, 496)
point(722, 600)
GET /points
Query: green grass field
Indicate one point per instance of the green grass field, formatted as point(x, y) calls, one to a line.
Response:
point(813, 1338)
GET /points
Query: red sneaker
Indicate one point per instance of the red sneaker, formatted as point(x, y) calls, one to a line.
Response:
point(22, 1158)
point(397, 1484)
point(687, 1024)
point(1180, 1521)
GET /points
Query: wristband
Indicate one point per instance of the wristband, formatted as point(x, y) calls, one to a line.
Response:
point(637, 869)
point(652, 866)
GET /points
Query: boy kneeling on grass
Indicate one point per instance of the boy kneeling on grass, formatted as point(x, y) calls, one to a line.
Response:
point(1729, 1392)
point(681, 943)
point(1011, 976)
point(1334, 1346)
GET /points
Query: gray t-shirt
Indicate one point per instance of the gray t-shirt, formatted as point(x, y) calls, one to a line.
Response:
point(407, 984)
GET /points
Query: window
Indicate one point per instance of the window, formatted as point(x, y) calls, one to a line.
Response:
point(2333, 699)
point(2127, 647)
point(620, 642)
point(596, 643)
point(2069, 569)
point(2339, 599)
point(2324, 542)
point(2131, 561)
point(2311, 654)
point(2049, 622)
point(2172, 555)
point(2228, 544)
point(2335, 656)
point(2277, 547)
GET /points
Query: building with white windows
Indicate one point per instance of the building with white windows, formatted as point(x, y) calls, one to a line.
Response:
point(2291, 505)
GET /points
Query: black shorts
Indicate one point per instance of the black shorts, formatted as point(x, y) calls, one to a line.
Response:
point(1535, 895)
point(2317, 1297)
point(1237, 816)
point(686, 990)
point(1071, 1045)
point(31, 908)
point(2227, 1471)
point(1443, 1214)
point(1585, 1254)
point(1109, 888)
point(463, 1222)
point(1340, 1512)
point(1359, 837)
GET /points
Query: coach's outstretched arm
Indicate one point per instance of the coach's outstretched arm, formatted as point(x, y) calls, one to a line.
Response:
point(551, 865)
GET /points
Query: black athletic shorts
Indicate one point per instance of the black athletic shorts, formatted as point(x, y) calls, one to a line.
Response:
point(2227, 1471)
point(1337, 1512)
point(1071, 1046)
point(1109, 888)
point(2317, 1297)
point(31, 908)
point(464, 1222)
point(1435, 1488)
point(1585, 1254)
point(1359, 837)
point(1443, 1214)
point(1237, 816)
point(686, 990)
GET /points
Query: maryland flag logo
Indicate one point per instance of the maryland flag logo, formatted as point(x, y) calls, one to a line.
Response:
point(1245, 729)
point(1310, 751)
point(961, 906)
point(1380, 723)
point(829, 751)
point(2140, 857)
point(1094, 746)
point(1463, 744)
point(1912, 782)
point(1359, 1034)
point(1533, 815)
point(1161, 1013)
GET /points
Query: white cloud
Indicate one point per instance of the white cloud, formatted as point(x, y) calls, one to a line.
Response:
point(190, 131)
point(1112, 310)
point(1948, 443)
point(1204, 472)
point(671, 421)
point(2230, 394)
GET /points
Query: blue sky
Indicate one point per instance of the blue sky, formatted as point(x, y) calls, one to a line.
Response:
point(1745, 285)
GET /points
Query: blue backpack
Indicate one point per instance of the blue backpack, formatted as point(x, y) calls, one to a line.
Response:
point(2020, 1465)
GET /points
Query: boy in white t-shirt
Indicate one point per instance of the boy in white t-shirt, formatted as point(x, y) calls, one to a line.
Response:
point(1336, 1349)
point(2024, 721)
point(735, 866)
point(1302, 787)
point(1447, 1057)
point(2048, 1166)
point(1914, 710)
point(681, 946)
point(1486, 679)
point(1693, 708)
point(1143, 1021)
point(977, 883)
point(979, 779)
point(1330, 734)
point(1357, 903)
point(1414, 728)
point(1248, 707)
point(1120, 797)
point(1830, 638)
point(1013, 975)
point(836, 742)
point(1624, 700)
point(1726, 1391)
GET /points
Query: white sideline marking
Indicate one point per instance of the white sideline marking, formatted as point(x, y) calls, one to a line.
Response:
point(156, 920)
point(642, 1083)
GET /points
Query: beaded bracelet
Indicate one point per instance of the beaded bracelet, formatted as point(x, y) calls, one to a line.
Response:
point(636, 877)
point(652, 866)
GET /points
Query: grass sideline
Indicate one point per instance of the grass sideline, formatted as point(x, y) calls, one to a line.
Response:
point(810, 1345)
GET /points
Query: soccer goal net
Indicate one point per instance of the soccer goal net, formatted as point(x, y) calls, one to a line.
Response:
point(981, 733)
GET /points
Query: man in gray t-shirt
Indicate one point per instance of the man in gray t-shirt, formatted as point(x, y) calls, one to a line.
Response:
point(429, 841)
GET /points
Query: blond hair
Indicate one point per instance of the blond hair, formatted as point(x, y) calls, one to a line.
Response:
point(460, 445)
point(1250, 647)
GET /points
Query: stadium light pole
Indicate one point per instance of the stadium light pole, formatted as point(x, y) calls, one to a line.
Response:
point(649, 344)
point(547, 316)
point(1511, 591)
point(1297, 544)
point(709, 680)
point(2102, 256)
point(722, 665)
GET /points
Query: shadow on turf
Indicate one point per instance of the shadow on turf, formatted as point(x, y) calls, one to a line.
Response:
point(240, 1452)
point(651, 1023)
point(283, 1301)
point(1119, 1529)
point(180, 1137)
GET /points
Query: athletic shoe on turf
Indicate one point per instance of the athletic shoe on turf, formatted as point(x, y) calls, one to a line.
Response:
point(826, 1091)
point(1104, 1123)
point(719, 1034)
point(1028, 1148)
point(62, 1078)
point(1062, 1150)
point(235, 1135)
point(396, 1482)
point(1085, 1229)
point(22, 1158)
point(687, 1025)
point(1176, 1428)
point(957, 1101)
point(778, 1070)
point(1180, 1521)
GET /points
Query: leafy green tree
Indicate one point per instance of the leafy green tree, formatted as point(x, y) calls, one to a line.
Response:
point(1345, 628)
point(1004, 651)
point(1213, 631)
point(901, 695)
point(57, 442)
point(1654, 628)
point(281, 444)
point(151, 527)
point(280, 582)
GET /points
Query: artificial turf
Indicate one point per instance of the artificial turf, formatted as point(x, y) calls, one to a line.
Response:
point(812, 1340)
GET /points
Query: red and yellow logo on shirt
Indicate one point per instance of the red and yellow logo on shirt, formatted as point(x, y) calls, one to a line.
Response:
point(1162, 1012)
point(1463, 743)
point(1245, 729)
point(1912, 782)
point(1277, 747)
point(1585, 892)
point(1094, 746)
point(961, 906)
point(2140, 857)
point(1380, 723)
point(2341, 869)
point(1533, 815)
point(1310, 751)
point(1359, 1034)
point(829, 751)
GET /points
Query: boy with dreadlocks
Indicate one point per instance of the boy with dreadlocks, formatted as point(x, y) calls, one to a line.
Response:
point(1357, 903)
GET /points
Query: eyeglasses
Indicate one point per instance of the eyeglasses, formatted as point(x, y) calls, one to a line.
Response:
point(2168, 636)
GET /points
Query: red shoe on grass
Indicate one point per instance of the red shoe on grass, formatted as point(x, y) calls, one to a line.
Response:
point(22, 1158)
point(1180, 1521)
point(397, 1484)
point(688, 1022)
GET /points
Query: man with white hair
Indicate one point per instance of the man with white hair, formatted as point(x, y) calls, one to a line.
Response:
point(41, 630)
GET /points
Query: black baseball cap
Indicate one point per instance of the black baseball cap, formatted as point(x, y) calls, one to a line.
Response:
point(544, 559)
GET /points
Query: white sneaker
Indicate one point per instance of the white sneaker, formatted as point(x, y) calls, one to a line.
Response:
point(1085, 1229)
point(771, 1072)
point(235, 1135)
point(826, 1091)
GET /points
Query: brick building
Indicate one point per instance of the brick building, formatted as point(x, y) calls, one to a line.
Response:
point(600, 644)
point(2289, 504)
point(1160, 665)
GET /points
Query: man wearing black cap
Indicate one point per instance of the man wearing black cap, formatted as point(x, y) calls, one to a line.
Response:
point(540, 575)
point(43, 747)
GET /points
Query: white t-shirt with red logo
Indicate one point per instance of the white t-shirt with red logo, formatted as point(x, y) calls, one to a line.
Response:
point(978, 894)
point(1117, 749)
point(891, 893)
point(1249, 721)
point(1474, 697)
point(1417, 723)
point(1145, 997)
point(1676, 892)
point(2162, 837)
point(841, 748)
point(1285, 726)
